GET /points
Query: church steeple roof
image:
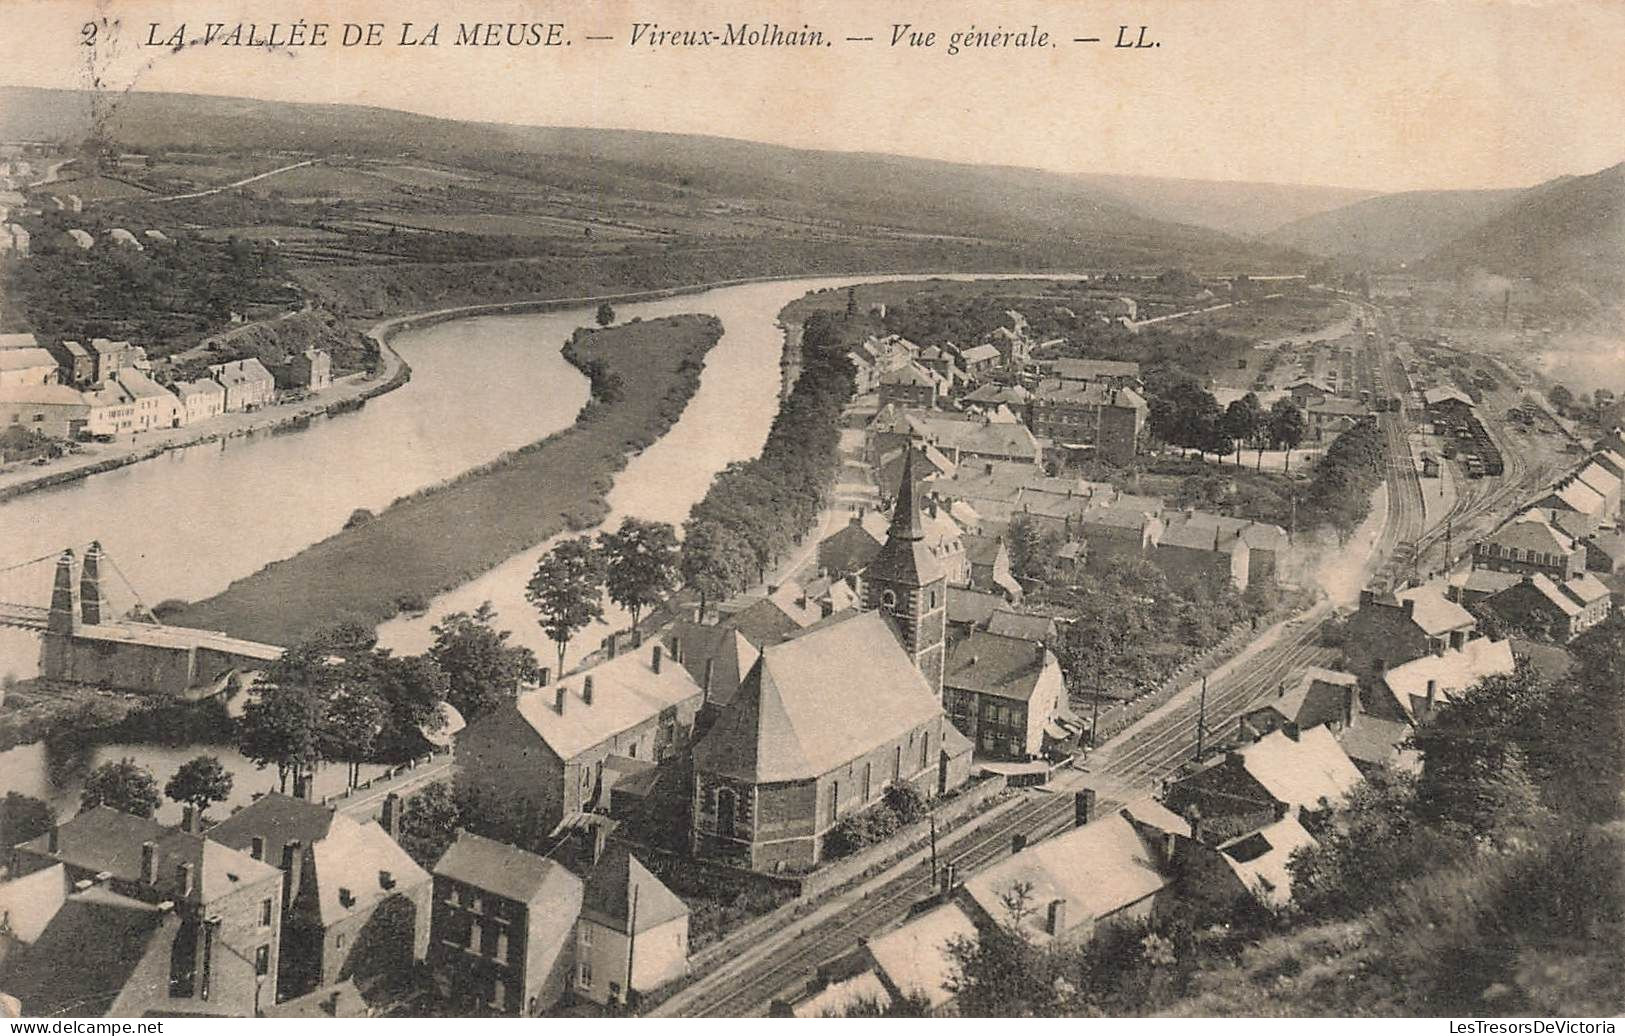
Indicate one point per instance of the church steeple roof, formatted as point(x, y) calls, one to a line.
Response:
point(904, 558)
point(906, 523)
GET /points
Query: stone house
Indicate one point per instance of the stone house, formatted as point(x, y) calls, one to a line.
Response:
point(1007, 695)
point(355, 906)
point(247, 383)
point(632, 934)
point(1561, 610)
point(1531, 544)
point(1263, 782)
point(200, 400)
point(1392, 629)
point(1319, 697)
point(502, 931)
point(547, 749)
point(1095, 414)
point(152, 920)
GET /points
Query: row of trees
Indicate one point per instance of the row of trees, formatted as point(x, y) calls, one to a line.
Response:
point(757, 509)
point(1339, 494)
point(129, 787)
point(636, 566)
point(339, 698)
point(1187, 416)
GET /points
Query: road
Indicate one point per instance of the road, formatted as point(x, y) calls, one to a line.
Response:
point(235, 183)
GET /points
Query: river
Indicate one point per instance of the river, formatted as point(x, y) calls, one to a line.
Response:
point(480, 386)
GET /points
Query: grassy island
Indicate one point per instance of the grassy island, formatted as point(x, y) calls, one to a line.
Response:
point(643, 375)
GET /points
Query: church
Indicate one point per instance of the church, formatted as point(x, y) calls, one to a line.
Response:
point(824, 721)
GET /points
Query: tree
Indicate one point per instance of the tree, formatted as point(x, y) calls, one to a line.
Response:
point(482, 669)
point(23, 817)
point(606, 314)
point(1286, 427)
point(715, 561)
point(282, 727)
point(1560, 397)
point(199, 783)
point(411, 689)
point(125, 786)
point(567, 591)
point(430, 821)
point(351, 723)
point(1240, 421)
point(640, 564)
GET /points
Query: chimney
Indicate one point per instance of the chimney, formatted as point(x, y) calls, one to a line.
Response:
point(710, 671)
point(92, 602)
point(1083, 807)
point(64, 616)
point(1433, 691)
point(1379, 666)
point(1367, 597)
point(183, 878)
point(1170, 846)
point(386, 879)
point(52, 840)
point(1409, 605)
point(1452, 593)
point(302, 787)
point(586, 690)
point(609, 646)
point(191, 820)
point(346, 897)
point(256, 847)
point(149, 863)
point(655, 660)
point(1055, 922)
point(1281, 810)
point(1290, 729)
point(558, 699)
point(546, 675)
point(391, 819)
point(1018, 842)
point(293, 866)
point(1351, 704)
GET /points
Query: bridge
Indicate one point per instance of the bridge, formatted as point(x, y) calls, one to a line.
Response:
point(84, 642)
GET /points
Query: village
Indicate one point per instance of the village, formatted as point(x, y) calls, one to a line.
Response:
point(926, 701)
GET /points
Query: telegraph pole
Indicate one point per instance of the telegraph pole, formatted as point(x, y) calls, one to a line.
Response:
point(933, 848)
point(1201, 719)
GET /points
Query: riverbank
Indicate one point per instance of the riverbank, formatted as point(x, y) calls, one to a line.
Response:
point(345, 395)
point(445, 535)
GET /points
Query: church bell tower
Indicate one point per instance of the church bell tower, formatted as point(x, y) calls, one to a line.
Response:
point(908, 584)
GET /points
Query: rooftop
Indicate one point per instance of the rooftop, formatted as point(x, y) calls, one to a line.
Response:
point(1301, 771)
point(1095, 870)
point(1451, 672)
point(511, 873)
point(618, 884)
point(791, 717)
point(1006, 667)
point(626, 691)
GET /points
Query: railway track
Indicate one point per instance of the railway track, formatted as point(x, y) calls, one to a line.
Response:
point(1131, 766)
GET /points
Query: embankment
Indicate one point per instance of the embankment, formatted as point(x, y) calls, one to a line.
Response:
point(442, 536)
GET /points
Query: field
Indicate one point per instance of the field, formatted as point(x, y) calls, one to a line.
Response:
point(441, 537)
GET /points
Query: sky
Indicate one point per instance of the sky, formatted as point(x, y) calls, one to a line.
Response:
point(1375, 94)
